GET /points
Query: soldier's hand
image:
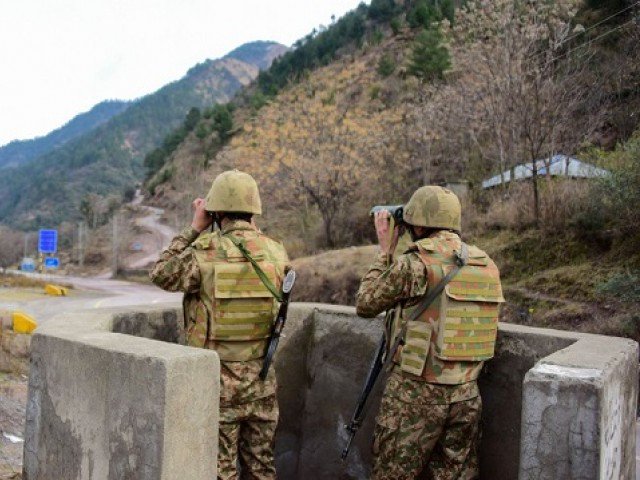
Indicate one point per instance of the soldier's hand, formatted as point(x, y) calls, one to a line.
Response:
point(201, 218)
point(387, 241)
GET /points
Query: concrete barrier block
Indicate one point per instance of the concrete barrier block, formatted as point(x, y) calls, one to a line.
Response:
point(578, 415)
point(104, 405)
point(112, 406)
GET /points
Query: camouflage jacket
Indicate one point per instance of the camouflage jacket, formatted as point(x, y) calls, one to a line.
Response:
point(186, 265)
point(177, 269)
point(403, 282)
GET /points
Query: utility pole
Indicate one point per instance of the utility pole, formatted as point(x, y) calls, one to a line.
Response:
point(26, 244)
point(81, 242)
point(115, 245)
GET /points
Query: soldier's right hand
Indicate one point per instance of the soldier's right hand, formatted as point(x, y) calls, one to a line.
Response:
point(388, 241)
point(201, 218)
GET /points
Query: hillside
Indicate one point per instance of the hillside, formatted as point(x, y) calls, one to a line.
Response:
point(399, 105)
point(401, 94)
point(21, 151)
point(108, 160)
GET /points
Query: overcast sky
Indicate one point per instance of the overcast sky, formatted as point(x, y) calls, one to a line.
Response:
point(60, 57)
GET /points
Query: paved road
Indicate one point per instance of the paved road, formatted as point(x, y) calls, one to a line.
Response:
point(87, 293)
point(158, 238)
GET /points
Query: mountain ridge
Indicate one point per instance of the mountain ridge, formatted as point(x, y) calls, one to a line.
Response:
point(22, 150)
point(108, 159)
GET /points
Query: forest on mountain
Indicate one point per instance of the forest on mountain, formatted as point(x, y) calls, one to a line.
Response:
point(21, 151)
point(107, 161)
point(399, 94)
point(454, 96)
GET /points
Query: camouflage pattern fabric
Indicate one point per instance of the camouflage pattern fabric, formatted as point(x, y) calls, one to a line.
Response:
point(434, 207)
point(430, 421)
point(189, 262)
point(248, 407)
point(248, 419)
point(404, 282)
point(240, 307)
point(423, 427)
point(177, 270)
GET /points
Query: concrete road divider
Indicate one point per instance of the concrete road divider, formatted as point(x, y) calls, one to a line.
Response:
point(23, 323)
point(56, 290)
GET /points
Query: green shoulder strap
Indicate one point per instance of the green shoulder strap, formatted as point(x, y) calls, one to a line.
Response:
point(263, 276)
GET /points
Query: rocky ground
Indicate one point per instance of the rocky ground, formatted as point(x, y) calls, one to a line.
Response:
point(13, 401)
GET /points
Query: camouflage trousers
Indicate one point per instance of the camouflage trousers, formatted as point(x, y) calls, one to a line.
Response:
point(427, 428)
point(248, 419)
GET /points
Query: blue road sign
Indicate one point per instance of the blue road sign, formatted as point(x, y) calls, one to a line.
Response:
point(28, 264)
point(51, 262)
point(48, 241)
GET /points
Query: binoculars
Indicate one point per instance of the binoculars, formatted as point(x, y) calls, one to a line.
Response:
point(395, 211)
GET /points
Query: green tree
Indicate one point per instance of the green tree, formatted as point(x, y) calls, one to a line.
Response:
point(382, 9)
point(429, 57)
point(386, 65)
point(222, 121)
point(423, 14)
point(192, 119)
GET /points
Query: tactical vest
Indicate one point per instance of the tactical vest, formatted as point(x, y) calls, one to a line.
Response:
point(451, 339)
point(238, 308)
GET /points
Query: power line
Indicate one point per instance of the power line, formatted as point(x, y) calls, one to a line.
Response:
point(599, 23)
point(571, 37)
point(593, 39)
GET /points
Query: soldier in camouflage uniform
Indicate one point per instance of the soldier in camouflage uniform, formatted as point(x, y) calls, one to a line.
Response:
point(430, 411)
point(230, 309)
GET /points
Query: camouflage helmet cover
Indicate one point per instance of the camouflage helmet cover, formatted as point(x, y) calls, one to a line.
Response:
point(234, 191)
point(433, 207)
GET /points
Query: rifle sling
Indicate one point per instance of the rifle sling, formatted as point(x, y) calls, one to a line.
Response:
point(263, 276)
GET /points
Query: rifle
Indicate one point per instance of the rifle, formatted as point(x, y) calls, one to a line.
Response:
point(378, 365)
point(287, 285)
point(369, 384)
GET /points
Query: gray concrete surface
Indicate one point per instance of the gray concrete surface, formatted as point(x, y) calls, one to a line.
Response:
point(556, 404)
point(113, 406)
point(323, 361)
point(579, 410)
point(88, 293)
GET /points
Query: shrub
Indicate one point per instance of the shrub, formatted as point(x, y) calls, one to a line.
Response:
point(376, 37)
point(614, 199)
point(386, 65)
point(625, 286)
point(374, 92)
point(395, 25)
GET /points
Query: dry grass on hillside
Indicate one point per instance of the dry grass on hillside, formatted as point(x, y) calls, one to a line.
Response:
point(332, 276)
point(563, 297)
point(8, 280)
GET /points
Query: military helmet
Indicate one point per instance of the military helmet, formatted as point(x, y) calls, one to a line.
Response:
point(433, 207)
point(234, 191)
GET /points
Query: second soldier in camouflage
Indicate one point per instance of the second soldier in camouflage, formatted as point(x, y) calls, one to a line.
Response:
point(431, 407)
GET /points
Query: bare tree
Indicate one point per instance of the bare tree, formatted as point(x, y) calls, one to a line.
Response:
point(525, 90)
point(10, 247)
